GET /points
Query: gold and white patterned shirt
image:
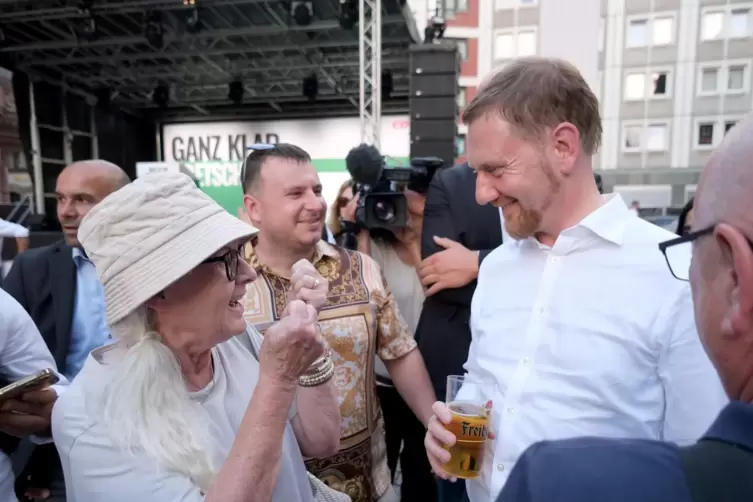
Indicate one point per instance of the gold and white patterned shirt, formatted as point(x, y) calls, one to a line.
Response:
point(359, 320)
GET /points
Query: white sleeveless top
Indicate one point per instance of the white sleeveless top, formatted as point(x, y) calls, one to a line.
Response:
point(96, 470)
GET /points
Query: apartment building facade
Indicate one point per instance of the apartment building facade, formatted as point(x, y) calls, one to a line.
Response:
point(672, 76)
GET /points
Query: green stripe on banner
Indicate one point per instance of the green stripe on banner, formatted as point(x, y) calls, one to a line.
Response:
point(338, 165)
point(220, 180)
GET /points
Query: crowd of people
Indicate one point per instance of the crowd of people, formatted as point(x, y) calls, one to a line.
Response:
point(203, 357)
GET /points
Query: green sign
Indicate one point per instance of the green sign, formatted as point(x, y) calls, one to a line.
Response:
point(221, 180)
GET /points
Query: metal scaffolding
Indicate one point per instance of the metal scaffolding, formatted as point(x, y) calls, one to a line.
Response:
point(370, 69)
point(255, 41)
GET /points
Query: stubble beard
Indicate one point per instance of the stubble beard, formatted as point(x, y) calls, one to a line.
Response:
point(526, 222)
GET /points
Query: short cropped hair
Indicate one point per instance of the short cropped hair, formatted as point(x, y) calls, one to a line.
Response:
point(250, 173)
point(536, 93)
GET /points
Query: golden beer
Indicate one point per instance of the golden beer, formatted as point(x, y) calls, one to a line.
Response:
point(470, 425)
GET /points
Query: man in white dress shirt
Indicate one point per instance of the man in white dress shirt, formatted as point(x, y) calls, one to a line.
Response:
point(13, 230)
point(578, 327)
point(22, 353)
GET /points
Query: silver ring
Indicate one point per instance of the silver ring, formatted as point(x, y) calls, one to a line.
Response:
point(316, 283)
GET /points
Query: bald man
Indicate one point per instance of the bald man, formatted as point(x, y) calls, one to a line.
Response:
point(719, 466)
point(58, 287)
point(56, 284)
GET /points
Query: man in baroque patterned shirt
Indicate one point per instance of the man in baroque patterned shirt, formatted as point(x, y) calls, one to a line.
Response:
point(359, 319)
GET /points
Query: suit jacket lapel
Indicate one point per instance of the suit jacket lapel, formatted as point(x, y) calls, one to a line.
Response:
point(495, 224)
point(62, 274)
point(489, 213)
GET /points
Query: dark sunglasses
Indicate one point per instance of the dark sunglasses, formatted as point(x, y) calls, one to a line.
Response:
point(231, 259)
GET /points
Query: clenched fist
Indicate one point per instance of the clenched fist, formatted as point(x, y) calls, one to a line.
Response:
point(308, 285)
point(292, 344)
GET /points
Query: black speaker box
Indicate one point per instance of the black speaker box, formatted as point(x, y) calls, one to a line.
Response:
point(435, 69)
point(444, 149)
point(433, 108)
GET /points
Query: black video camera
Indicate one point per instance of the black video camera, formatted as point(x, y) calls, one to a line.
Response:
point(382, 202)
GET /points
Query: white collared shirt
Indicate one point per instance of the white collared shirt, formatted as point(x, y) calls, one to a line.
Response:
point(22, 353)
point(592, 337)
point(10, 229)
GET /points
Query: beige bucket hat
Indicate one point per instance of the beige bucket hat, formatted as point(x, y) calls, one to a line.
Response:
point(150, 233)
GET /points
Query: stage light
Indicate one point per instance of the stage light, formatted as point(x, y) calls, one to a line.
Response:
point(311, 86)
point(161, 95)
point(235, 92)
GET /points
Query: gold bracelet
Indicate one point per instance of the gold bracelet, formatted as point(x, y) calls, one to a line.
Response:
point(323, 375)
point(319, 364)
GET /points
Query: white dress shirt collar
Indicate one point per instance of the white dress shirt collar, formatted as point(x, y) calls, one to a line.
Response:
point(608, 222)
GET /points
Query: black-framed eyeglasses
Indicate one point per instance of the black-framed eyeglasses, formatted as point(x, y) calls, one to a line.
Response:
point(231, 259)
point(679, 250)
point(256, 147)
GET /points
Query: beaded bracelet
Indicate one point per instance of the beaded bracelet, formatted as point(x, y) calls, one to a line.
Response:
point(318, 377)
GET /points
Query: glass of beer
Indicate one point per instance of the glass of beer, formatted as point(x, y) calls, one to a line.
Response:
point(470, 424)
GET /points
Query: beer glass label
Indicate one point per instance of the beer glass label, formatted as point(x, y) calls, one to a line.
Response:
point(469, 430)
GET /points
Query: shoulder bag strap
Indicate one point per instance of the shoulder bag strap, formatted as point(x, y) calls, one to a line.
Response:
point(716, 471)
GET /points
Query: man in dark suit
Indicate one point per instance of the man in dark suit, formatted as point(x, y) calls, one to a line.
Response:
point(718, 467)
point(58, 287)
point(457, 235)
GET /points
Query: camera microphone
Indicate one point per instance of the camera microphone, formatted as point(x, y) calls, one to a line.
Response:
point(365, 164)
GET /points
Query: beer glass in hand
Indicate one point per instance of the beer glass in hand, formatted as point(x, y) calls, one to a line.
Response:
point(470, 425)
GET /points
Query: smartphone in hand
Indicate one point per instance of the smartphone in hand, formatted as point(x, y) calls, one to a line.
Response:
point(37, 381)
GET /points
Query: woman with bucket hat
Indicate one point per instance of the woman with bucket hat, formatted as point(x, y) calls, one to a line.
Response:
point(188, 405)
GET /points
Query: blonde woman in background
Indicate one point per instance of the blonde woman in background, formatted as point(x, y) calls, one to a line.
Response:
point(344, 196)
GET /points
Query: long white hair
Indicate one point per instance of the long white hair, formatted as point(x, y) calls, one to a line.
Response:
point(145, 404)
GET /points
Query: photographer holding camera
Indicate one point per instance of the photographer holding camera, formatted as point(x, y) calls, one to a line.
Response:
point(388, 228)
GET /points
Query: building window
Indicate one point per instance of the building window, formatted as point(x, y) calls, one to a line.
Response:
point(632, 141)
point(462, 49)
point(527, 43)
point(705, 134)
point(709, 80)
point(651, 138)
point(461, 98)
point(659, 83)
point(655, 30)
point(521, 42)
point(736, 78)
point(652, 85)
point(712, 25)
point(635, 86)
point(637, 35)
point(729, 22)
point(504, 46)
point(452, 7)
point(656, 137)
point(709, 132)
point(662, 32)
point(739, 23)
point(724, 78)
